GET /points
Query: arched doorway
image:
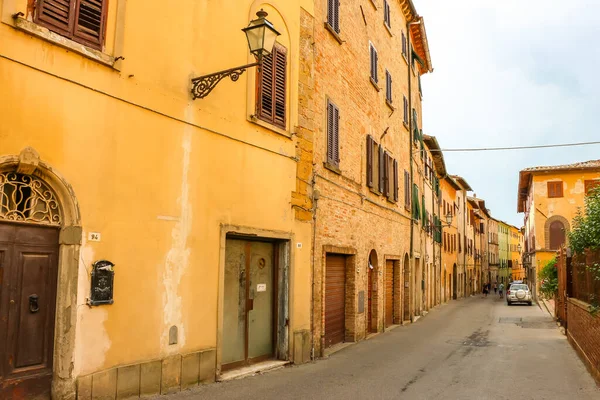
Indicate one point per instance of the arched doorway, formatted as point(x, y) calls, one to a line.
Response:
point(372, 272)
point(454, 282)
point(40, 235)
point(406, 302)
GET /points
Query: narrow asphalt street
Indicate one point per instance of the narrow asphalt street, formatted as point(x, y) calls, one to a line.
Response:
point(469, 349)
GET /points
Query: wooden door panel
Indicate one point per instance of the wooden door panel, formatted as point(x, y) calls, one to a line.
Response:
point(34, 271)
point(389, 293)
point(5, 263)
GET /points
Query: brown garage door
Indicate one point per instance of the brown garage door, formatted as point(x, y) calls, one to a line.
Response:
point(335, 291)
point(389, 293)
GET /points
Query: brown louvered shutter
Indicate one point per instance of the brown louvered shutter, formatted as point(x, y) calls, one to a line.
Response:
point(90, 21)
point(333, 14)
point(280, 85)
point(395, 180)
point(369, 161)
point(264, 102)
point(386, 174)
point(381, 170)
point(56, 15)
point(333, 156)
point(272, 81)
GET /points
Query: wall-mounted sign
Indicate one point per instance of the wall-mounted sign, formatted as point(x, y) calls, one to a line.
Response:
point(103, 275)
point(261, 287)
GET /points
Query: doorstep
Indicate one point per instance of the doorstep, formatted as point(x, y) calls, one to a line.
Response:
point(335, 348)
point(259, 368)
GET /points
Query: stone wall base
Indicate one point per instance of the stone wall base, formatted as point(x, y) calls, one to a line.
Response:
point(169, 375)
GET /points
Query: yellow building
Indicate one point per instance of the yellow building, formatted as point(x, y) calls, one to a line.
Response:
point(515, 263)
point(108, 164)
point(550, 197)
point(451, 240)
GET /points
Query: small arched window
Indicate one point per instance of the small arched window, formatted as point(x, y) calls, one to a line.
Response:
point(557, 235)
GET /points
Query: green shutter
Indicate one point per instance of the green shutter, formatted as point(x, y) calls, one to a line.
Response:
point(416, 211)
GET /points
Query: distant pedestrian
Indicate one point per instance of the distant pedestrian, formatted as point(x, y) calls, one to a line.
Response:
point(495, 288)
point(485, 290)
point(501, 289)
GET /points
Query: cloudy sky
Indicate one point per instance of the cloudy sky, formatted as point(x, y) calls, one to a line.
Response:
point(511, 73)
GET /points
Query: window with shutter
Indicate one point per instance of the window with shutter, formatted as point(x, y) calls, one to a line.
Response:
point(272, 82)
point(396, 181)
point(591, 184)
point(369, 161)
point(555, 189)
point(388, 86)
point(381, 170)
point(333, 116)
point(405, 107)
point(333, 15)
point(407, 190)
point(373, 63)
point(386, 14)
point(83, 21)
point(404, 45)
point(415, 202)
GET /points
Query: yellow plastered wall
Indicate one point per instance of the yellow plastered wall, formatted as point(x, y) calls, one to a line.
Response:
point(154, 172)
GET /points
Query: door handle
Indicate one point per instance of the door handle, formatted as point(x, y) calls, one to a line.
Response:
point(33, 303)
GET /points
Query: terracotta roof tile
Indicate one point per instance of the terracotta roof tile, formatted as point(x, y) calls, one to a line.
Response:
point(583, 164)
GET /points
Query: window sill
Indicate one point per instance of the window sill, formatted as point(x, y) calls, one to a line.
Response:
point(336, 35)
point(389, 104)
point(405, 125)
point(374, 84)
point(405, 58)
point(374, 4)
point(45, 34)
point(332, 168)
point(388, 28)
point(255, 120)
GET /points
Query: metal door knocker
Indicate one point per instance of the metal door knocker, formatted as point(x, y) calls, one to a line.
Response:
point(33, 303)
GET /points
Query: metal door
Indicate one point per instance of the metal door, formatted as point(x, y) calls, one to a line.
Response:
point(389, 293)
point(248, 303)
point(335, 299)
point(28, 275)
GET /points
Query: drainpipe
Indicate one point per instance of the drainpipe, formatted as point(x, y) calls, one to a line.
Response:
point(312, 286)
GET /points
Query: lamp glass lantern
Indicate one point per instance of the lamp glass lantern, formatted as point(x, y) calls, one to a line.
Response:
point(261, 35)
point(449, 219)
point(519, 248)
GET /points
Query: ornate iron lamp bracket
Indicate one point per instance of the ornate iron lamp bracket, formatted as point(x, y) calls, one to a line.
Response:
point(203, 85)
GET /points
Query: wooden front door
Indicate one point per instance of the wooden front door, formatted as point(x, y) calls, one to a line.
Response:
point(249, 303)
point(28, 274)
point(389, 293)
point(335, 299)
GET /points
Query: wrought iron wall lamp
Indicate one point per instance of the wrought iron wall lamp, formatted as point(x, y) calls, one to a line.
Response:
point(261, 36)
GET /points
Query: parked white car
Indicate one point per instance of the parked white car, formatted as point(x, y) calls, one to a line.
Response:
point(518, 293)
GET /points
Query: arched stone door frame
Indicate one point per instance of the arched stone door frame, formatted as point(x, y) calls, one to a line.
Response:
point(549, 222)
point(28, 163)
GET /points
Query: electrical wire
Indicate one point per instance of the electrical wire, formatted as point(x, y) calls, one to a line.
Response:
point(543, 146)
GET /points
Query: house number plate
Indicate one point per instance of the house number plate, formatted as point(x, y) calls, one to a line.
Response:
point(261, 287)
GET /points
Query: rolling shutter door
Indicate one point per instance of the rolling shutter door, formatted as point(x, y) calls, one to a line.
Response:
point(335, 293)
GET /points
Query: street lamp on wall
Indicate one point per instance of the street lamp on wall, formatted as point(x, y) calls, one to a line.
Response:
point(261, 36)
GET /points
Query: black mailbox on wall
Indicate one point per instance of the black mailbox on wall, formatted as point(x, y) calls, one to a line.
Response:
point(103, 275)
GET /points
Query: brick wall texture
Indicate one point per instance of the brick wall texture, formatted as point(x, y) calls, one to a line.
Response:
point(584, 334)
point(349, 217)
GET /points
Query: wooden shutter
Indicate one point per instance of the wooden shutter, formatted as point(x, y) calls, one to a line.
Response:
point(405, 104)
point(333, 15)
point(388, 86)
point(381, 170)
point(406, 189)
point(280, 79)
point(591, 184)
point(555, 189)
point(373, 63)
point(272, 80)
point(333, 156)
point(264, 102)
point(395, 180)
point(56, 15)
point(369, 161)
point(386, 174)
point(90, 21)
